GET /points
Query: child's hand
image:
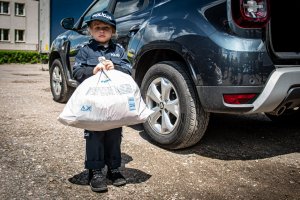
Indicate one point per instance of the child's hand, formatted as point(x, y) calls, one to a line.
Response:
point(98, 67)
point(104, 65)
point(108, 64)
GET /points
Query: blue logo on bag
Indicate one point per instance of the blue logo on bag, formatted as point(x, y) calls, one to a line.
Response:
point(131, 103)
point(105, 81)
point(86, 108)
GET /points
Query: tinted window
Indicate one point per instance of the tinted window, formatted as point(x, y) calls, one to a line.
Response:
point(101, 5)
point(125, 7)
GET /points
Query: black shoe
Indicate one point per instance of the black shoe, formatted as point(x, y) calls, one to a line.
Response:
point(116, 177)
point(98, 181)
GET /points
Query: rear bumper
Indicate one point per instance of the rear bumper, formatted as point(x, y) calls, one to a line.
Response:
point(283, 81)
point(281, 89)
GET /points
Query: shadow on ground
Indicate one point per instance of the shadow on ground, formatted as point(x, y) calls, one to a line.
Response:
point(244, 137)
point(133, 176)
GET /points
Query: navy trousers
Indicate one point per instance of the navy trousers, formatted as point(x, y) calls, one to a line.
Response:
point(103, 148)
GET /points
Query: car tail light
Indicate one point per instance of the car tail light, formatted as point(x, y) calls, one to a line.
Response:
point(250, 13)
point(238, 98)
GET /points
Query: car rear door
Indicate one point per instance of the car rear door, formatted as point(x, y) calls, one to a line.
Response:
point(130, 15)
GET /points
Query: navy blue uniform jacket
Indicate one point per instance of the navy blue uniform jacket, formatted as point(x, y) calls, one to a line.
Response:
point(87, 58)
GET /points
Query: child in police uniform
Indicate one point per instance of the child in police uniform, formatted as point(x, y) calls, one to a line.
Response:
point(102, 147)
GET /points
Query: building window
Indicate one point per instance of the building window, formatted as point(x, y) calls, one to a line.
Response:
point(19, 35)
point(20, 9)
point(4, 7)
point(4, 34)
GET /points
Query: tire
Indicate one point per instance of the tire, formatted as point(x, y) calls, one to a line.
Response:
point(179, 120)
point(289, 116)
point(61, 92)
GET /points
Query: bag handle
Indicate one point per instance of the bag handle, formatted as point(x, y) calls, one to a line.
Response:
point(102, 72)
point(101, 59)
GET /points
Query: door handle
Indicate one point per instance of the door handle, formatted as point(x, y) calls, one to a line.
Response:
point(78, 46)
point(134, 29)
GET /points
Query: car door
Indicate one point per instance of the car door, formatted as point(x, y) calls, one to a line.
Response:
point(130, 15)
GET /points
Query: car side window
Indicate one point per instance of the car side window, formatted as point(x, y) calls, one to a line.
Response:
point(99, 6)
point(125, 7)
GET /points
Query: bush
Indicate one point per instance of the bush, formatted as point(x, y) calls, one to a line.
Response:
point(15, 56)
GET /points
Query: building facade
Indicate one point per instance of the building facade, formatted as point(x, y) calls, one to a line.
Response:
point(19, 24)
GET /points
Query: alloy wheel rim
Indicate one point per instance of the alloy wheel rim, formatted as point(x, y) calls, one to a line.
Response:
point(163, 99)
point(56, 80)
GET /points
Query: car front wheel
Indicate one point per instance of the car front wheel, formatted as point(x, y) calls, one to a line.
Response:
point(179, 120)
point(61, 92)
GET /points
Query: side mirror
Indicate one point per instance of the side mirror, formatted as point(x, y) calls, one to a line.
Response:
point(67, 23)
point(83, 30)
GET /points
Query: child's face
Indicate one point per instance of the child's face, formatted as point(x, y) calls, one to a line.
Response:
point(101, 31)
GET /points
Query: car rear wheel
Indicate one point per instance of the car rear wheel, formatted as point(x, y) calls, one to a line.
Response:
point(61, 92)
point(179, 120)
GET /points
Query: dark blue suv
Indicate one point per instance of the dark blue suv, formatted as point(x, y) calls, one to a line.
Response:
point(192, 58)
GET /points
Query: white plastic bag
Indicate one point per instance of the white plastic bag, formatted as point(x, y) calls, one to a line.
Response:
point(104, 101)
